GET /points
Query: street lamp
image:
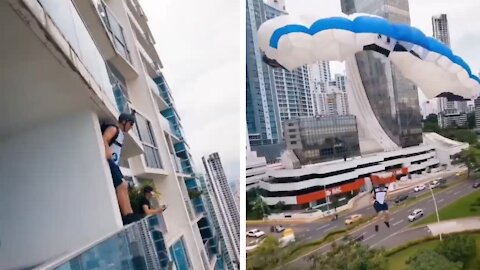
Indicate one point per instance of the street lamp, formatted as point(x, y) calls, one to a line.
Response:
point(436, 208)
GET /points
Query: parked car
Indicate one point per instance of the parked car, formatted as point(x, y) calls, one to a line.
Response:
point(419, 188)
point(476, 184)
point(435, 184)
point(352, 219)
point(416, 214)
point(255, 233)
point(401, 198)
point(277, 229)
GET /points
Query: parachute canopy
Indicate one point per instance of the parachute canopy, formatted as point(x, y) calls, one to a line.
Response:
point(292, 41)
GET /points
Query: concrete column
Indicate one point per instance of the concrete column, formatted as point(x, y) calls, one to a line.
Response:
point(56, 192)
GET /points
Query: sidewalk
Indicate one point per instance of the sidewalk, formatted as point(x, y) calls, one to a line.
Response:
point(454, 225)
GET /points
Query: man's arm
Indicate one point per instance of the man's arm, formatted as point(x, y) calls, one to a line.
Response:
point(149, 211)
point(107, 136)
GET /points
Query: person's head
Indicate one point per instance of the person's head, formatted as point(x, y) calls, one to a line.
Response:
point(126, 121)
point(148, 192)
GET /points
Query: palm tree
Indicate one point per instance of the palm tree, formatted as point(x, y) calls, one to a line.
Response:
point(260, 207)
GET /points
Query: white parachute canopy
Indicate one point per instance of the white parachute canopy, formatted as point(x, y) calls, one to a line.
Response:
point(293, 41)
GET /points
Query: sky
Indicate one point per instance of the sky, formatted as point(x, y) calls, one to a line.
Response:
point(461, 14)
point(199, 45)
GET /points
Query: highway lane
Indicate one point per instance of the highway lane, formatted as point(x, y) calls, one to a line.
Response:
point(391, 237)
point(316, 230)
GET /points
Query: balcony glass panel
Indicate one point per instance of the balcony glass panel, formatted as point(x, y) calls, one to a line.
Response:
point(66, 18)
point(138, 246)
point(116, 29)
point(180, 256)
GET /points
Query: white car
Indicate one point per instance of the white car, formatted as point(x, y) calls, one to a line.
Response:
point(255, 233)
point(416, 214)
point(419, 188)
point(434, 184)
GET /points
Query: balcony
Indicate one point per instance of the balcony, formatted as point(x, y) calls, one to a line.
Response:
point(162, 104)
point(108, 34)
point(138, 246)
point(186, 166)
point(66, 29)
point(164, 90)
point(168, 127)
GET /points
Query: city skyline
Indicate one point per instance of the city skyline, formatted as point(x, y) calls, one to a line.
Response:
point(203, 72)
point(462, 32)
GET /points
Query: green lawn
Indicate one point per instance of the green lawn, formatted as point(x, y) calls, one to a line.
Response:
point(467, 206)
point(397, 261)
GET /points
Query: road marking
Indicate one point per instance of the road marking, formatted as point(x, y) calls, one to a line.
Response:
point(307, 230)
point(441, 200)
point(370, 237)
point(396, 223)
point(329, 229)
point(308, 238)
point(456, 192)
point(319, 228)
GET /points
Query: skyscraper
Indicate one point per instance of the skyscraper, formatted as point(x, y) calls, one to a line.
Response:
point(440, 28)
point(223, 202)
point(319, 75)
point(392, 98)
point(263, 119)
point(292, 87)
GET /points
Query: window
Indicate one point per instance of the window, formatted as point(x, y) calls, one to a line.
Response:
point(114, 27)
point(145, 133)
point(180, 256)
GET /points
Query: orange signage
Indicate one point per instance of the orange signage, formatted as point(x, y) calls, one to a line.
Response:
point(318, 195)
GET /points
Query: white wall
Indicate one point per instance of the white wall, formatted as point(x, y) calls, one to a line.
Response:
point(56, 192)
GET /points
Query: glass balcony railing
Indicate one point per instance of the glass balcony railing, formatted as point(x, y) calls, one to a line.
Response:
point(198, 206)
point(186, 166)
point(65, 16)
point(211, 247)
point(138, 246)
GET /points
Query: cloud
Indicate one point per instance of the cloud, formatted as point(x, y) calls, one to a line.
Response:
point(199, 44)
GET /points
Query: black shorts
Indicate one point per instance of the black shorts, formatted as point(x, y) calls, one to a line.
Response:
point(380, 207)
point(117, 175)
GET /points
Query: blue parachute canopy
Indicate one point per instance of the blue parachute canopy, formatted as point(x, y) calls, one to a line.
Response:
point(292, 41)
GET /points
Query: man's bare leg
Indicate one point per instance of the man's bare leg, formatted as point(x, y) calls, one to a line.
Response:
point(386, 218)
point(123, 199)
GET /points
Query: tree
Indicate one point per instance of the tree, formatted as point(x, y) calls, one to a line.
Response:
point(471, 158)
point(431, 118)
point(457, 248)
point(429, 259)
point(471, 120)
point(135, 193)
point(260, 207)
point(280, 206)
point(462, 135)
point(266, 256)
point(351, 256)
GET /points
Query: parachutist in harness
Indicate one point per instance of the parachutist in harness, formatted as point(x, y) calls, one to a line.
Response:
point(380, 204)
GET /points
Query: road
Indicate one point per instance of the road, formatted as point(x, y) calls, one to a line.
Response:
point(391, 237)
point(316, 230)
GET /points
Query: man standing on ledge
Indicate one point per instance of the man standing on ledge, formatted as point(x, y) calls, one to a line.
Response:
point(113, 135)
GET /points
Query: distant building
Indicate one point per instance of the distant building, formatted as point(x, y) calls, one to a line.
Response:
point(477, 113)
point(440, 28)
point(318, 139)
point(452, 118)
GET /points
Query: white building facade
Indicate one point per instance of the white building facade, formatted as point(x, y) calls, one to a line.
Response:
point(87, 61)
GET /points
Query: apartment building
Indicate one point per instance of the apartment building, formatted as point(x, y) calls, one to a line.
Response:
point(68, 66)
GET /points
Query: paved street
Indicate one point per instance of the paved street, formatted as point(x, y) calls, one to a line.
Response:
point(316, 230)
point(391, 237)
